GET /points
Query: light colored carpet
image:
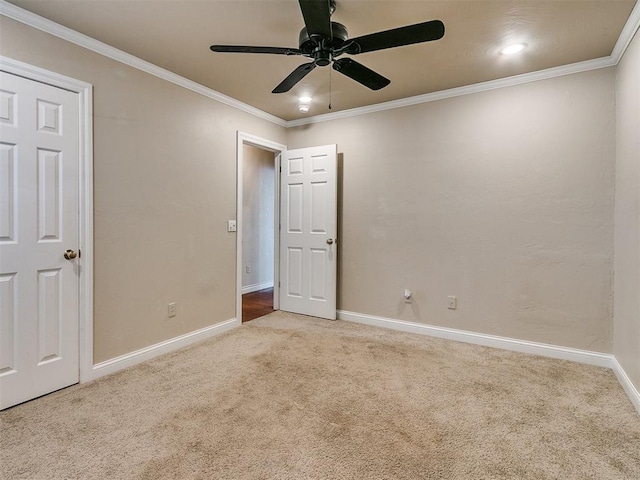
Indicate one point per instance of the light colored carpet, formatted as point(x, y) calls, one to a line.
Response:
point(292, 397)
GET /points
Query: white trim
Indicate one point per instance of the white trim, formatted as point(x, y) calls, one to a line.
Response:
point(543, 349)
point(627, 34)
point(48, 26)
point(276, 229)
point(256, 287)
point(41, 23)
point(130, 359)
point(86, 234)
point(243, 138)
point(259, 142)
point(504, 343)
point(85, 199)
point(579, 67)
point(41, 75)
point(627, 384)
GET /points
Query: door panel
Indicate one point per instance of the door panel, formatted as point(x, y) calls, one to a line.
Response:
point(294, 199)
point(49, 302)
point(39, 153)
point(8, 192)
point(49, 207)
point(7, 322)
point(308, 248)
point(294, 272)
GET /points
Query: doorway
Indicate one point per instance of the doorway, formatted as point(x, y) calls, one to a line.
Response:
point(258, 232)
point(305, 227)
point(257, 237)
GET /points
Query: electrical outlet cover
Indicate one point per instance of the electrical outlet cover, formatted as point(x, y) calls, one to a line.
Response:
point(452, 303)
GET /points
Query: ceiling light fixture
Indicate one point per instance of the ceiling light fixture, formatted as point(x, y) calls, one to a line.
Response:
point(512, 49)
point(305, 99)
point(303, 108)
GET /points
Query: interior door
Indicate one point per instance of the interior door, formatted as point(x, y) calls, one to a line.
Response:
point(308, 219)
point(39, 148)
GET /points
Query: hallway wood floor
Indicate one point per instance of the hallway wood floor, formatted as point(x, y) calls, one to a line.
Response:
point(257, 304)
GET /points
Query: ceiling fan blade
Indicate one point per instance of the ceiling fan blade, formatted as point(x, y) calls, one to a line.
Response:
point(317, 17)
point(397, 37)
point(294, 77)
point(247, 49)
point(360, 73)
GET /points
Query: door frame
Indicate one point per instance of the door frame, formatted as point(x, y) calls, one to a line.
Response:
point(244, 138)
point(85, 198)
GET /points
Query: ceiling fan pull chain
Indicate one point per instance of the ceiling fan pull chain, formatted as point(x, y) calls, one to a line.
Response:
point(330, 88)
point(322, 41)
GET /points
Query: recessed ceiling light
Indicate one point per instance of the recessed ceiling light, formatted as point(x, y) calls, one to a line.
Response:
point(305, 99)
point(511, 49)
point(303, 108)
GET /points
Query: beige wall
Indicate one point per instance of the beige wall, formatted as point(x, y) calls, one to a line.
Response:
point(626, 347)
point(165, 184)
point(502, 198)
point(258, 201)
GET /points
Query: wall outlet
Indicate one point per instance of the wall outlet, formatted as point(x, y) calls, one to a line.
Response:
point(452, 302)
point(171, 310)
point(247, 269)
point(407, 295)
point(231, 226)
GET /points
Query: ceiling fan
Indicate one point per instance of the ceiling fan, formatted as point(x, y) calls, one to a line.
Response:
point(324, 41)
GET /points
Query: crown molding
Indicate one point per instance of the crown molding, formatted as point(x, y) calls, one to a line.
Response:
point(631, 27)
point(561, 71)
point(627, 34)
point(36, 21)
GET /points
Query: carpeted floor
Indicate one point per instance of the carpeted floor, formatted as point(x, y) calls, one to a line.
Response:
point(292, 397)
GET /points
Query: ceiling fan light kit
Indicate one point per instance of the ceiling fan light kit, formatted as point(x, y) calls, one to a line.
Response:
point(323, 41)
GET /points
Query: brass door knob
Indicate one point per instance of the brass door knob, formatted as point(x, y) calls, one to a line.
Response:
point(70, 254)
point(329, 241)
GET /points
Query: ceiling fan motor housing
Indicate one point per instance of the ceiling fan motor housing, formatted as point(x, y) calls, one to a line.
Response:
point(321, 48)
point(323, 41)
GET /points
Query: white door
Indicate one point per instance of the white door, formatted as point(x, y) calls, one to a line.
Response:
point(39, 148)
point(308, 244)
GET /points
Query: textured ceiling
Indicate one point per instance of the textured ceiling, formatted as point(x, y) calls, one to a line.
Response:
point(176, 35)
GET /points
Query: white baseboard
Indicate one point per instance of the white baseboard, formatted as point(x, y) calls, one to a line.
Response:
point(627, 384)
point(256, 287)
point(128, 360)
point(505, 343)
point(564, 353)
